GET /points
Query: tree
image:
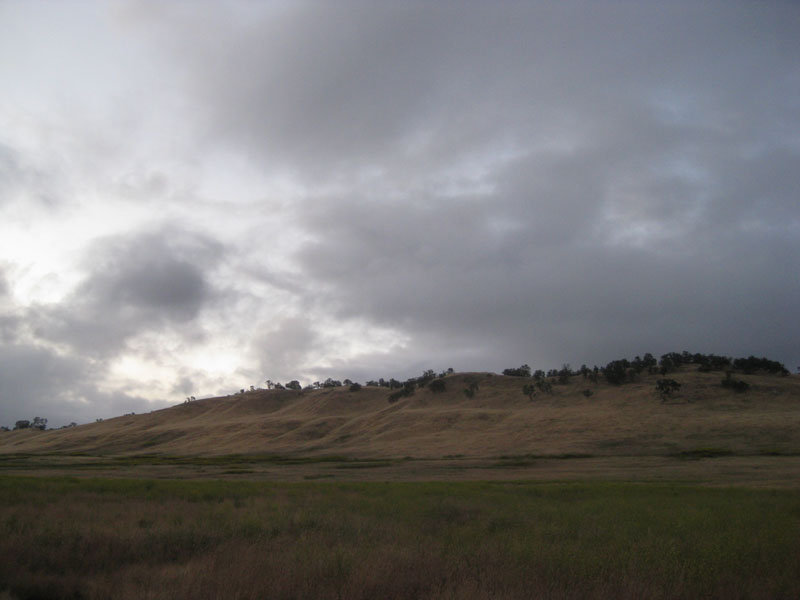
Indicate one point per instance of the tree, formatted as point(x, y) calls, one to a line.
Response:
point(23, 424)
point(523, 371)
point(39, 423)
point(529, 390)
point(294, 385)
point(437, 386)
point(355, 387)
point(667, 387)
point(470, 390)
point(616, 371)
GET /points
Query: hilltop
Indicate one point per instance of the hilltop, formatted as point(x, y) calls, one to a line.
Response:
point(499, 419)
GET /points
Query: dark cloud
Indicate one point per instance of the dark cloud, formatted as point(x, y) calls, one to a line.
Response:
point(136, 283)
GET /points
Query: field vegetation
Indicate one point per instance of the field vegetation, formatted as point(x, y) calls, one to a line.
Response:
point(146, 539)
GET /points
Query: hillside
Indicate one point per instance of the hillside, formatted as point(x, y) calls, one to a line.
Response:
point(625, 420)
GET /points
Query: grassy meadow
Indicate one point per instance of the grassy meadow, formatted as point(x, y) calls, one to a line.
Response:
point(202, 539)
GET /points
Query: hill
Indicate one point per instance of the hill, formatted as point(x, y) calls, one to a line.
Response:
point(615, 420)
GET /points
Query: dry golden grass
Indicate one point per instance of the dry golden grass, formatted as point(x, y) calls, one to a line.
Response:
point(628, 420)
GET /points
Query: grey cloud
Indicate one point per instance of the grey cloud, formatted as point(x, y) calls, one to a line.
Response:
point(21, 177)
point(498, 184)
point(35, 381)
point(633, 167)
point(452, 284)
point(285, 347)
point(324, 89)
point(136, 283)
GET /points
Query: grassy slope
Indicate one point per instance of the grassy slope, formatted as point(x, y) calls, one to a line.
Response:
point(499, 420)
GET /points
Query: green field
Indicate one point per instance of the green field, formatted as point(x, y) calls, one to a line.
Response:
point(119, 538)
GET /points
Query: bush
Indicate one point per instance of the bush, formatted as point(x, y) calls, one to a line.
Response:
point(294, 385)
point(355, 387)
point(587, 393)
point(737, 385)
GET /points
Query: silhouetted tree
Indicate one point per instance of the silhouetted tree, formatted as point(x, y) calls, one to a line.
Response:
point(294, 385)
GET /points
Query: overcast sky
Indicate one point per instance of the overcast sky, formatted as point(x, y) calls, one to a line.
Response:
point(198, 196)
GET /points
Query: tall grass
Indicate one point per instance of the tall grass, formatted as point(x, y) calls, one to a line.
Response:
point(144, 539)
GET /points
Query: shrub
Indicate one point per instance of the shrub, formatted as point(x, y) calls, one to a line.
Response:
point(587, 393)
point(355, 387)
point(294, 385)
point(529, 390)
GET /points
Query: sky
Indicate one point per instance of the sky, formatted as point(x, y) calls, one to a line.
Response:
point(199, 196)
